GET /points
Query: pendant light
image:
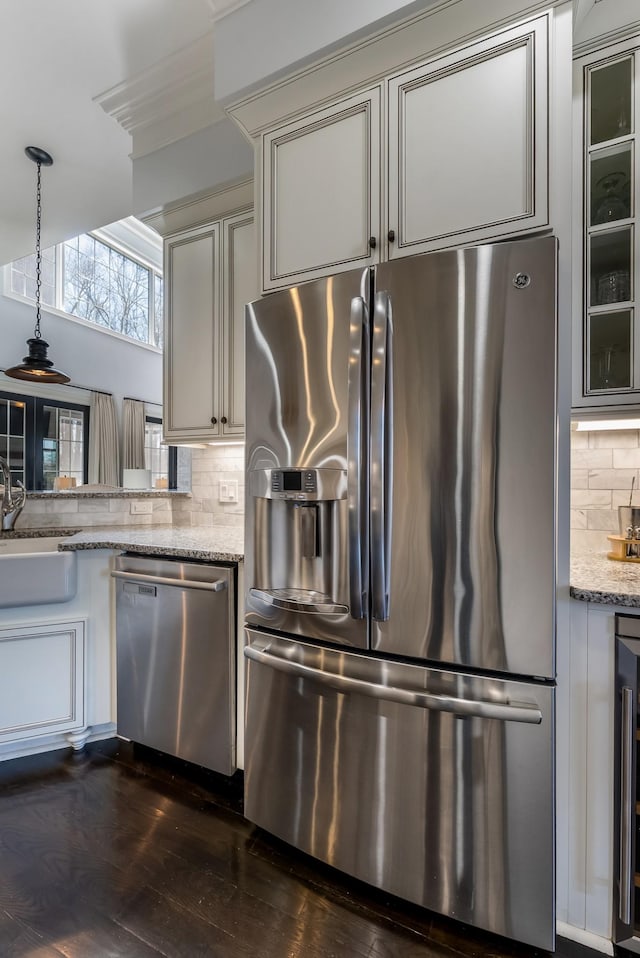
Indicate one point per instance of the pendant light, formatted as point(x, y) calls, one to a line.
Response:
point(36, 367)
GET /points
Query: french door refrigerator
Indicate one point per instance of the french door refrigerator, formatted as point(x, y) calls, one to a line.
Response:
point(400, 578)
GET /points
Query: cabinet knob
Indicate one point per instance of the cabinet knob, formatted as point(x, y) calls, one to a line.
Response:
point(391, 235)
point(223, 420)
point(372, 242)
point(213, 420)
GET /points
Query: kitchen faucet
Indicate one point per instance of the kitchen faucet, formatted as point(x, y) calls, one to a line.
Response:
point(11, 505)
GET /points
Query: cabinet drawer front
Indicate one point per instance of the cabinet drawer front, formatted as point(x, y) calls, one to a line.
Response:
point(468, 143)
point(322, 193)
point(454, 814)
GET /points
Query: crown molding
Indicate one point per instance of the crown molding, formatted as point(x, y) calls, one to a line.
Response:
point(222, 8)
point(170, 100)
point(201, 208)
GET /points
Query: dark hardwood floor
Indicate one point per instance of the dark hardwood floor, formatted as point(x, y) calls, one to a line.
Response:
point(118, 851)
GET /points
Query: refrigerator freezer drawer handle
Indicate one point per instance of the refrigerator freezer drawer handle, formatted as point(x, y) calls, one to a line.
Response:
point(528, 714)
point(358, 382)
point(217, 586)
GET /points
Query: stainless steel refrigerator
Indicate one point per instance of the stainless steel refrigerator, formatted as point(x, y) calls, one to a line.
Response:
point(400, 578)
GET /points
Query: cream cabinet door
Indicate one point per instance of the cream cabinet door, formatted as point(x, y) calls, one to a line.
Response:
point(191, 360)
point(240, 288)
point(321, 192)
point(42, 679)
point(468, 143)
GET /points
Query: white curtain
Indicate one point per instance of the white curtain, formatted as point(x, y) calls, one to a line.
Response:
point(133, 422)
point(104, 457)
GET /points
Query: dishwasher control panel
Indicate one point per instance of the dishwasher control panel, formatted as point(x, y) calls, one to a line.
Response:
point(135, 588)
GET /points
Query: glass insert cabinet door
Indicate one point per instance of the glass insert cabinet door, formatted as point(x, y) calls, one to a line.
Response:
point(611, 368)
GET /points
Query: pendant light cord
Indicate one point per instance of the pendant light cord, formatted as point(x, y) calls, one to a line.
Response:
point(37, 334)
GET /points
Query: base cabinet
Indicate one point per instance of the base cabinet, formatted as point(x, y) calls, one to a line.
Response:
point(586, 775)
point(210, 273)
point(42, 680)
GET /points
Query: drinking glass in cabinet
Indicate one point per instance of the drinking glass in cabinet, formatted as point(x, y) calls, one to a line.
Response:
point(610, 185)
point(611, 101)
point(610, 267)
point(610, 351)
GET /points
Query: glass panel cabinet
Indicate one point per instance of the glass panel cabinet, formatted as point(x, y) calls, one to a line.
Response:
point(610, 366)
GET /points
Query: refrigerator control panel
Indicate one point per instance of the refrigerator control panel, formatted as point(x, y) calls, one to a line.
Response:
point(299, 484)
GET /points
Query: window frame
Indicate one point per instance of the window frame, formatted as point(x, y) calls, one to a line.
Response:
point(106, 238)
point(173, 455)
point(40, 403)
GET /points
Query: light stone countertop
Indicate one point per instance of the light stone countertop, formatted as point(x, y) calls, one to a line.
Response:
point(594, 578)
point(89, 492)
point(212, 543)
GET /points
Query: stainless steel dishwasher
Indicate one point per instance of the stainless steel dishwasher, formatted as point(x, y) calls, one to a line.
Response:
point(176, 653)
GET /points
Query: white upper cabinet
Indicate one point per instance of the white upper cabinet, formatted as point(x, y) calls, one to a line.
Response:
point(468, 143)
point(210, 273)
point(461, 157)
point(321, 190)
point(192, 313)
point(240, 287)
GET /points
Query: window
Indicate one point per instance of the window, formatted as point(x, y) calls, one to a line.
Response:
point(62, 442)
point(23, 277)
point(13, 432)
point(161, 460)
point(100, 282)
point(42, 439)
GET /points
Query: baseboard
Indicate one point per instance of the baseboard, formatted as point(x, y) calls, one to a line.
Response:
point(583, 937)
point(50, 743)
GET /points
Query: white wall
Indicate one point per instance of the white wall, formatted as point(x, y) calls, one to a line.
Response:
point(194, 164)
point(89, 356)
point(243, 57)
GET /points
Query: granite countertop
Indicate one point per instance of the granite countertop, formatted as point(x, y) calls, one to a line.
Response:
point(212, 543)
point(594, 578)
point(106, 493)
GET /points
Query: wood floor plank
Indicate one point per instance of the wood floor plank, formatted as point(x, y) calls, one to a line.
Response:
point(116, 853)
point(18, 940)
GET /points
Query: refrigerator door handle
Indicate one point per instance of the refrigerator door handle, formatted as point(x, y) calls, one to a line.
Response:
point(356, 480)
point(381, 454)
point(467, 708)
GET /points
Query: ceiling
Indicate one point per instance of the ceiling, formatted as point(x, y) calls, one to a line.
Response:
point(58, 58)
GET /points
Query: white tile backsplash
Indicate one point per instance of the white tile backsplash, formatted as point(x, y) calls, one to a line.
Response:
point(204, 468)
point(603, 464)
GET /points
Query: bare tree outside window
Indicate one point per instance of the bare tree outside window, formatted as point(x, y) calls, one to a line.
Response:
point(98, 283)
point(158, 287)
point(105, 287)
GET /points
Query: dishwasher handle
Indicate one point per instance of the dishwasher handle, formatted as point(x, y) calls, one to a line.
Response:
point(216, 586)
